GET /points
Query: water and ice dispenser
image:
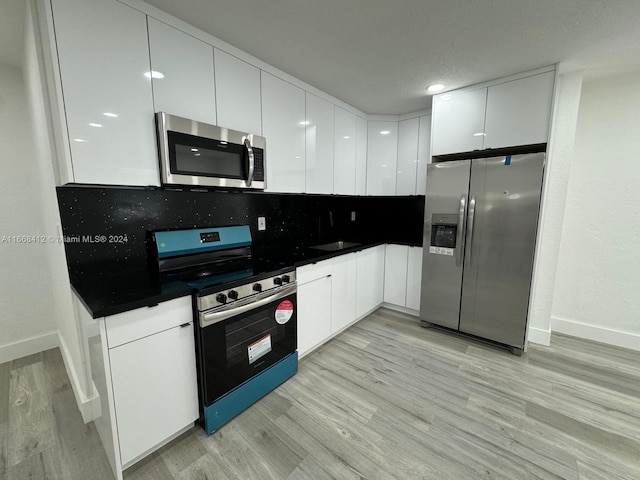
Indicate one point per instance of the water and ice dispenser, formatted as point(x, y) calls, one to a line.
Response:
point(444, 232)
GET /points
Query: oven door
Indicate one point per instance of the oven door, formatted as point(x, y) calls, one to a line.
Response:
point(234, 344)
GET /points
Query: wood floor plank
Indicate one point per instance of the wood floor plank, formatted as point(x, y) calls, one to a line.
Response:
point(385, 399)
point(182, 452)
point(31, 419)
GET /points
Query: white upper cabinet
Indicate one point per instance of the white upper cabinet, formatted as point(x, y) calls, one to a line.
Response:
point(283, 119)
point(237, 94)
point(518, 112)
point(361, 156)
point(344, 160)
point(424, 154)
point(319, 145)
point(458, 121)
point(103, 55)
point(382, 157)
point(182, 76)
point(407, 156)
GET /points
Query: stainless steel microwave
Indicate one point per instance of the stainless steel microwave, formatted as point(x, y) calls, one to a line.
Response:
point(198, 154)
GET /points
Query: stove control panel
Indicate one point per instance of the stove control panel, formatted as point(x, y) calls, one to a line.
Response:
point(240, 292)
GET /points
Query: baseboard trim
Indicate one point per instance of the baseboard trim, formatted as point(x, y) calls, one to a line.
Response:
point(539, 336)
point(28, 346)
point(401, 309)
point(595, 333)
point(88, 402)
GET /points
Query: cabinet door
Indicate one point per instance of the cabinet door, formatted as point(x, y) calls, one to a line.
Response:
point(319, 145)
point(382, 157)
point(414, 277)
point(518, 112)
point(314, 313)
point(407, 156)
point(103, 56)
point(343, 288)
point(344, 160)
point(283, 119)
point(186, 87)
point(424, 154)
point(154, 388)
point(361, 156)
point(395, 274)
point(237, 94)
point(370, 279)
point(458, 121)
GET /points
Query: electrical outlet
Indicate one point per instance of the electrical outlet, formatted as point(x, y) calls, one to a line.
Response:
point(262, 223)
point(353, 216)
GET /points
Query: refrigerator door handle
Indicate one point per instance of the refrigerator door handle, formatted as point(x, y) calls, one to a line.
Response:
point(462, 213)
point(472, 216)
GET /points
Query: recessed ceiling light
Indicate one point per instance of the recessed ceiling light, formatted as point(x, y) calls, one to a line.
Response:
point(385, 132)
point(79, 140)
point(109, 114)
point(480, 134)
point(346, 137)
point(97, 125)
point(304, 123)
point(435, 88)
point(154, 74)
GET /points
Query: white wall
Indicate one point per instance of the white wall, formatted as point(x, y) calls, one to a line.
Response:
point(554, 192)
point(597, 287)
point(27, 323)
point(69, 336)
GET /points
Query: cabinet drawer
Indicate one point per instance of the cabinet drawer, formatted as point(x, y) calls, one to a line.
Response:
point(142, 322)
point(308, 273)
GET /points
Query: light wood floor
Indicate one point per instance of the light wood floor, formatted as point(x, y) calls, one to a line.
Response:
point(386, 399)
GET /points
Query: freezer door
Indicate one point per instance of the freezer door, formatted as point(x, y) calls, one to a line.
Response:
point(443, 246)
point(504, 199)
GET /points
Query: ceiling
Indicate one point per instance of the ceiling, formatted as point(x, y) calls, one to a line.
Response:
point(379, 55)
point(12, 17)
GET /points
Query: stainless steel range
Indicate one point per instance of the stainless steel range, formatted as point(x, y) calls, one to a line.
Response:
point(245, 317)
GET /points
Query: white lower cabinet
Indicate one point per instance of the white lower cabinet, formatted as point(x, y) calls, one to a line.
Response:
point(143, 365)
point(395, 274)
point(370, 279)
point(414, 278)
point(334, 293)
point(402, 276)
point(343, 291)
point(314, 313)
point(154, 389)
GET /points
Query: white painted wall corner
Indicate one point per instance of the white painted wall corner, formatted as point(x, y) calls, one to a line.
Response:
point(539, 336)
point(88, 402)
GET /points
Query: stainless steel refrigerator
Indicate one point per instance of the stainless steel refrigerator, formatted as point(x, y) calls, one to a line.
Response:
point(481, 219)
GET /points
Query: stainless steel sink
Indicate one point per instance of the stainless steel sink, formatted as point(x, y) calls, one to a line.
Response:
point(335, 246)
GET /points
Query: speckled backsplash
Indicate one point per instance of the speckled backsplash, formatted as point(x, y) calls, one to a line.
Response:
point(108, 226)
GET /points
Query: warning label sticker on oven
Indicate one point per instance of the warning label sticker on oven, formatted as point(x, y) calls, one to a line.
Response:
point(259, 349)
point(284, 312)
point(441, 251)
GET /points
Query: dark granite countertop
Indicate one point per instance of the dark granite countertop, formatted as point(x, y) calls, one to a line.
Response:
point(106, 293)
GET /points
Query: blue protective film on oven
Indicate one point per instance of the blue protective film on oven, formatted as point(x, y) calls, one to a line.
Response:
point(238, 400)
point(199, 240)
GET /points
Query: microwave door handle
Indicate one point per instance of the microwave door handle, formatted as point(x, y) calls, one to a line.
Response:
point(247, 145)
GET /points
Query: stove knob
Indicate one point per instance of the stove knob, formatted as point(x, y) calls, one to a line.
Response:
point(221, 298)
point(277, 281)
point(257, 287)
point(233, 295)
point(286, 279)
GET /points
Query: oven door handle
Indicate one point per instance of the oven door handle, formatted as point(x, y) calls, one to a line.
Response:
point(208, 319)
